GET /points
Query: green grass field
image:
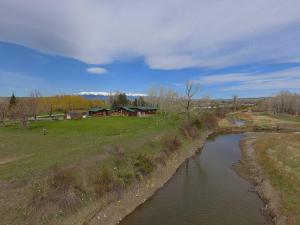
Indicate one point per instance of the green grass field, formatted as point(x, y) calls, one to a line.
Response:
point(39, 173)
point(26, 152)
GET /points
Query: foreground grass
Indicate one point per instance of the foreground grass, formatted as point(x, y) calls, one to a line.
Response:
point(70, 141)
point(45, 179)
point(279, 156)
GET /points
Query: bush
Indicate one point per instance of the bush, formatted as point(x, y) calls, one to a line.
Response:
point(143, 164)
point(119, 156)
point(172, 143)
point(209, 120)
point(126, 176)
point(196, 122)
point(161, 157)
point(105, 181)
point(189, 130)
point(61, 191)
point(61, 178)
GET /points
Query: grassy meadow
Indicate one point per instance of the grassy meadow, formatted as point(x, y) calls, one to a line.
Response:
point(25, 152)
point(44, 176)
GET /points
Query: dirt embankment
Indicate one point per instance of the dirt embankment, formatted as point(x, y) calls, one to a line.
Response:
point(114, 212)
point(249, 169)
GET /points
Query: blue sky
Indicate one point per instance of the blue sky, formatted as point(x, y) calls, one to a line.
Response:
point(83, 46)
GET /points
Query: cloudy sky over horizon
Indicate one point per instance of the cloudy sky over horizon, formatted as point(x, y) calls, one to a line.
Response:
point(249, 48)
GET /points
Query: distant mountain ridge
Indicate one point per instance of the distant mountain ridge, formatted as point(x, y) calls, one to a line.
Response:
point(105, 95)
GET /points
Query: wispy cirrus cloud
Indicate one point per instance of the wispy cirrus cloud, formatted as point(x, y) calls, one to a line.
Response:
point(96, 70)
point(169, 34)
point(278, 80)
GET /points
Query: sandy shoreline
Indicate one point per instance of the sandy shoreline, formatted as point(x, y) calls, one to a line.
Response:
point(249, 169)
point(117, 210)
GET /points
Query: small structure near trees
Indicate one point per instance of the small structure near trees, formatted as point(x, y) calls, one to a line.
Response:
point(75, 115)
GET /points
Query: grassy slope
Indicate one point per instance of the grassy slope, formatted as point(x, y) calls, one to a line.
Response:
point(70, 141)
point(27, 155)
point(279, 155)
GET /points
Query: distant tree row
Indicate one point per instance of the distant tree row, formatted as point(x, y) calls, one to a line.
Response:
point(22, 109)
point(284, 102)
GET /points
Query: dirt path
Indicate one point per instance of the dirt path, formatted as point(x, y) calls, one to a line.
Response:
point(11, 159)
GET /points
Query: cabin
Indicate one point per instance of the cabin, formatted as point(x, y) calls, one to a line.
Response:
point(144, 110)
point(75, 115)
point(98, 111)
point(125, 111)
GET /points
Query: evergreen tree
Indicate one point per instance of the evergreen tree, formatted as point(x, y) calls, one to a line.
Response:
point(12, 101)
point(141, 101)
point(122, 99)
point(135, 102)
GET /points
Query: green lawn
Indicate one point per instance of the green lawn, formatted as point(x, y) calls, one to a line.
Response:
point(27, 152)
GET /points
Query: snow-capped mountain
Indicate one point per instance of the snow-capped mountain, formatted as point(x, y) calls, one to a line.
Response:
point(104, 95)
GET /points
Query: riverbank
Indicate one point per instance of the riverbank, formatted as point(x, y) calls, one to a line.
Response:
point(117, 210)
point(253, 169)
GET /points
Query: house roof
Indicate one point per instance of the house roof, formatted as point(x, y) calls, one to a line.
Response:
point(97, 109)
point(127, 109)
point(144, 108)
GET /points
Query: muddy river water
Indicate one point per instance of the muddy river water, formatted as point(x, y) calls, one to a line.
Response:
point(204, 191)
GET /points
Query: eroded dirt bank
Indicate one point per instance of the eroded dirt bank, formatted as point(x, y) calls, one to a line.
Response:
point(249, 169)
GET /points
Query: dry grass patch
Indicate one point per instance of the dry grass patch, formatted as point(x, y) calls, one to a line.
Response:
point(279, 155)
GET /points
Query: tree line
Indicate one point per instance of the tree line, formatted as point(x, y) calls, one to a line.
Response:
point(23, 108)
point(283, 103)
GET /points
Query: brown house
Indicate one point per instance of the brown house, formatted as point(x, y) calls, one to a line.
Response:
point(98, 112)
point(144, 110)
point(125, 111)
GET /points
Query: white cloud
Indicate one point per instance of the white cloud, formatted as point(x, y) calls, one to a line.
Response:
point(96, 70)
point(283, 79)
point(169, 34)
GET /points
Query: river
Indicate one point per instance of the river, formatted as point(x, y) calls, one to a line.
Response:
point(204, 191)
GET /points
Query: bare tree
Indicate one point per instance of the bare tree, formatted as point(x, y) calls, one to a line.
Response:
point(4, 109)
point(167, 100)
point(191, 89)
point(33, 103)
point(235, 102)
point(284, 102)
point(21, 112)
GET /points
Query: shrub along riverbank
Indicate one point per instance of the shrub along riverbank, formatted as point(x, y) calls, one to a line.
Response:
point(79, 167)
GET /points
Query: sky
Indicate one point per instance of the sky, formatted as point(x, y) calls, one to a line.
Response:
point(228, 47)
